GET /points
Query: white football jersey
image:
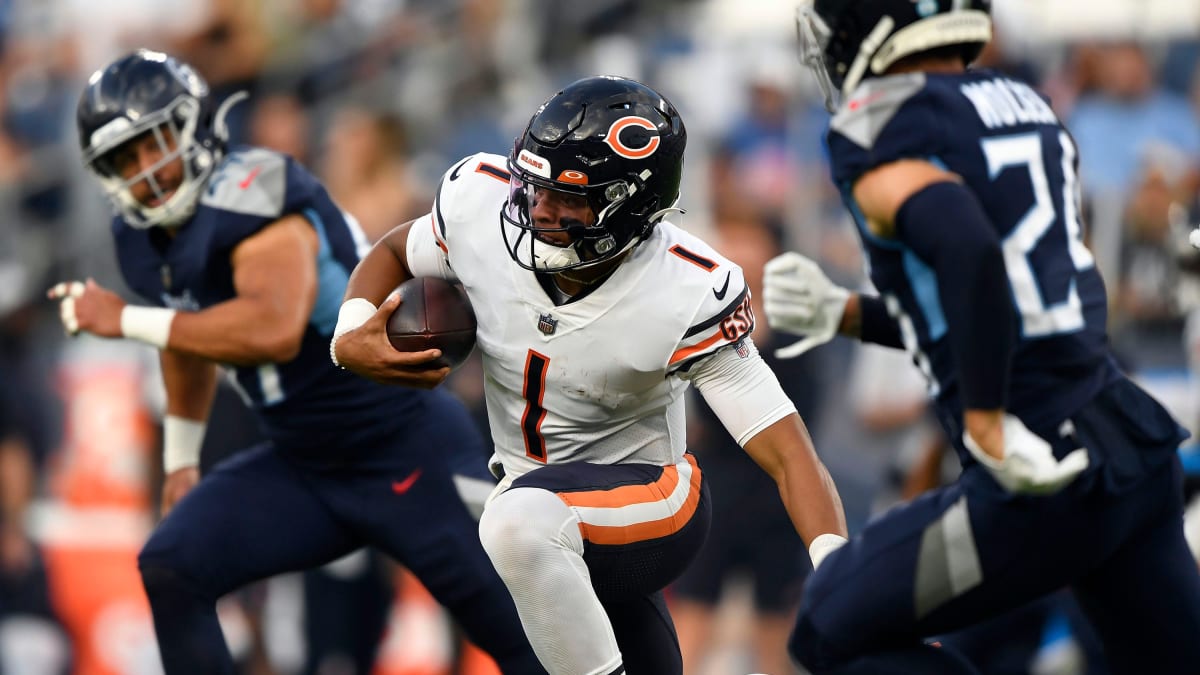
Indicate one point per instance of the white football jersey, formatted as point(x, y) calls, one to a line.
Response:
point(599, 379)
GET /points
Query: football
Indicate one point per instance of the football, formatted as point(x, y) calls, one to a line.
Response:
point(433, 314)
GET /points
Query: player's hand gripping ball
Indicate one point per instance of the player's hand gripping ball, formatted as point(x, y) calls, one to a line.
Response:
point(433, 314)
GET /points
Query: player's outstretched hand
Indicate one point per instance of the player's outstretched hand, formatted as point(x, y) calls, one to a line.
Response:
point(1029, 465)
point(177, 484)
point(88, 307)
point(799, 298)
point(367, 351)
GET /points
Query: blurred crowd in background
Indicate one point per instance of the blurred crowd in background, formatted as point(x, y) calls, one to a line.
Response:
point(379, 97)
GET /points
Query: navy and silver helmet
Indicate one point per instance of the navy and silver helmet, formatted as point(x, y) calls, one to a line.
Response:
point(612, 140)
point(845, 41)
point(150, 92)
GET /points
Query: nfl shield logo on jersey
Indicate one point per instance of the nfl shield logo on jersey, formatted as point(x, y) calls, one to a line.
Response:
point(547, 324)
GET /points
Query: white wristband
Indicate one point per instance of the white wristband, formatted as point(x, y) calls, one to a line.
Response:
point(354, 313)
point(182, 439)
point(151, 325)
point(823, 545)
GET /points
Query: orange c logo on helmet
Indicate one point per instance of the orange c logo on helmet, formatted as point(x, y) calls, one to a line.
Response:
point(613, 139)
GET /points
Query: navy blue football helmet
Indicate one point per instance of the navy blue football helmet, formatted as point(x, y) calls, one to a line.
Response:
point(150, 92)
point(612, 140)
point(845, 41)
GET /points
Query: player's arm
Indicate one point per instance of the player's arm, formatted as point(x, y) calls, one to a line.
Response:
point(930, 210)
point(943, 223)
point(383, 268)
point(275, 279)
point(360, 341)
point(799, 298)
point(747, 398)
point(190, 383)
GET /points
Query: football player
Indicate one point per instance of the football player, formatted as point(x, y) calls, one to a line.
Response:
point(246, 258)
point(964, 187)
point(595, 313)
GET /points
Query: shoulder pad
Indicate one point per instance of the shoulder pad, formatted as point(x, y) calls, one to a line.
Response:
point(875, 102)
point(251, 181)
point(466, 186)
point(714, 288)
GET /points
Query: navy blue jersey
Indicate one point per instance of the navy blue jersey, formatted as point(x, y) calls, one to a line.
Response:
point(306, 402)
point(1012, 152)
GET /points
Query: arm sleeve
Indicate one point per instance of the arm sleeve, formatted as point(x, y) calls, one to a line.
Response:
point(741, 389)
point(945, 226)
point(878, 327)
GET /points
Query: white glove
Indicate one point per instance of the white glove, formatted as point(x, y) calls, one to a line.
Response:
point(1194, 238)
point(66, 292)
point(1029, 466)
point(799, 298)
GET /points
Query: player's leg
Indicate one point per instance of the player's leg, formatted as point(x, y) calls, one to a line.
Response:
point(642, 625)
point(941, 562)
point(416, 505)
point(567, 538)
point(696, 595)
point(533, 541)
point(251, 517)
point(1008, 643)
point(1144, 601)
point(465, 451)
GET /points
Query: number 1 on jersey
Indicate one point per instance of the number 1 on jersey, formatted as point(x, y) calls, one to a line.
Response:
point(533, 390)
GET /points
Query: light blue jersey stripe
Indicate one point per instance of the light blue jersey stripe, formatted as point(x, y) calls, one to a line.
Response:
point(331, 280)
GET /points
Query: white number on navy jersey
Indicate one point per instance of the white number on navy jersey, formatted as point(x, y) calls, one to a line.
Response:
point(1025, 150)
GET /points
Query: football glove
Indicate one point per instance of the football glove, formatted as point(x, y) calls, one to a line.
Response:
point(799, 298)
point(1029, 466)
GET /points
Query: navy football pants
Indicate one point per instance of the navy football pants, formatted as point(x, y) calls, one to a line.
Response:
point(264, 512)
point(967, 552)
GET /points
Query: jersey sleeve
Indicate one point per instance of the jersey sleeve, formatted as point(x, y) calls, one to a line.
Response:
point(461, 196)
point(888, 119)
point(723, 318)
point(426, 250)
point(254, 188)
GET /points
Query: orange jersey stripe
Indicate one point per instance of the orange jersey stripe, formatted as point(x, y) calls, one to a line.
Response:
point(681, 354)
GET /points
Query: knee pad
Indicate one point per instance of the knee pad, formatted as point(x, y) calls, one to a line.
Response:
point(523, 525)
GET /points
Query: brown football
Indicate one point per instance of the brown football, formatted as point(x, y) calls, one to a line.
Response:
point(433, 314)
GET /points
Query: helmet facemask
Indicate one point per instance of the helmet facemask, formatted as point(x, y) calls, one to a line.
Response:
point(843, 44)
point(813, 36)
point(177, 122)
point(617, 227)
